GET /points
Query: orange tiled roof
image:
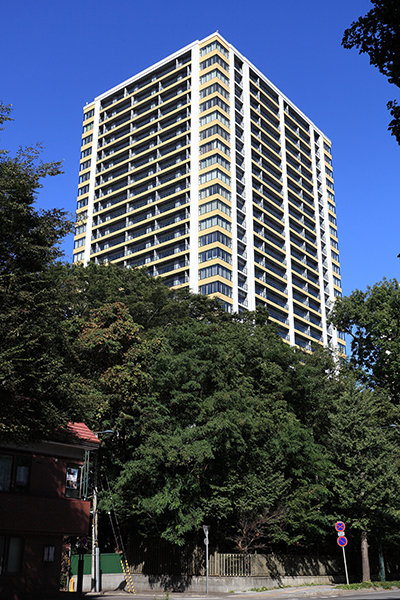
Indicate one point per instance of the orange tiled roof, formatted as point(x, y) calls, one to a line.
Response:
point(81, 431)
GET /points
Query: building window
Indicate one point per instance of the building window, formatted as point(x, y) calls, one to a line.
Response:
point(227, 307)
point(84, 177)
point(214, 145)
point(80, 229)
point(214, 189)
point(79, 243)
point(73, 481)
point(216, 115)
point(216, 287)
point(89, 114)
point(332, 219)
point(214, 46)
point(21, 476)
point(327, 148)
point(82, 203)
point(214, 221)
point(87, 128)
point(214, 73)
point(334, 244)
point(11, 549)
point(87, 139)
point(216, 236)
point(14, 473)
point(211, 89)
point(330, 184)
point(86, 152)
point(214, 130)
point(212, 160)
point(214, 174)
point(85, 165)
point(215, 270)
point(332, 231)
point(214, 205)
point(48, 553)
point(78, 256)
point(215, 101)
point(215, 253)
point(5, 472)
point(337, 281)
point(83, 190)
point(212, 60)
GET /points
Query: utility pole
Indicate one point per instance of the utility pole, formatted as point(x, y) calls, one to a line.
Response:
point(95, 587)
point(206, 530)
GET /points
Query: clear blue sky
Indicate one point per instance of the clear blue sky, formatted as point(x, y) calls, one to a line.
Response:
point(56, 56)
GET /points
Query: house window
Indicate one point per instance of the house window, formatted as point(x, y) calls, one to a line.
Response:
point(5, 472)
point(73, 481)
point(11, 549)
point(21, 475)
point(14, 473)
point(48, 553)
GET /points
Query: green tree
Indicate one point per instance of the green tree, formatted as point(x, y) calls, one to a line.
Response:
point(30, 334)
point(108, 357)
point(365, 468)
point(29, 239)
point(5, 112)
point(378, 35)
point(149, 301)
point(372, 319)
point(210, 436)
point(369, 467)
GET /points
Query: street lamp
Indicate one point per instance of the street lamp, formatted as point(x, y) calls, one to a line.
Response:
point(206, 530)
point(95, 519)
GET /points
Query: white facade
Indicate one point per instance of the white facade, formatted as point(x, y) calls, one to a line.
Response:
point(202, 171)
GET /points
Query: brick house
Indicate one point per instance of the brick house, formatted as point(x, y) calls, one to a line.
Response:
point(40, 502)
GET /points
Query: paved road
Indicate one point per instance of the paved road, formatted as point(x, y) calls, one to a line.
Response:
point(315, 592)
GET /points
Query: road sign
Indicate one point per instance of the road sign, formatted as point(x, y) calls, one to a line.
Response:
point(84, 541)
point(342, 541)
point(341, 533)
point(340, 526)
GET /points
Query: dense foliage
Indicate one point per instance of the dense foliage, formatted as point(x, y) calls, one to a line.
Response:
point(378, 35)
point(372, 320)
point(213, 437)
point(31, 312)
point(216, 418)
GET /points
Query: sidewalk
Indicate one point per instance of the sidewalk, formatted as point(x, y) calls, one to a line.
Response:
point(279, 593)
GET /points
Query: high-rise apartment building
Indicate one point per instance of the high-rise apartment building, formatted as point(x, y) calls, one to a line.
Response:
point(201, 170)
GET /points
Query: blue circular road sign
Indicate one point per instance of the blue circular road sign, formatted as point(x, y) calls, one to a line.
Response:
point(340, 526)
point(342, 541)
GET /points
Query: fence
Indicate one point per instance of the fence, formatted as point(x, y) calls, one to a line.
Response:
point(271, 565)
point(230, 565)
point(161, 559)
point(161, 562)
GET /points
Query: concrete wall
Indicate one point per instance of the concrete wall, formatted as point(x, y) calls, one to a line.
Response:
point(162, 583)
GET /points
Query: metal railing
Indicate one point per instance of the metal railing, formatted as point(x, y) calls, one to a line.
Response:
point(230, 565)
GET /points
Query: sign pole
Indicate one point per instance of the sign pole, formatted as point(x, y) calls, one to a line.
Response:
point(207, 568)
point(206, 530)
point(342, 541)
point(345, 565)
